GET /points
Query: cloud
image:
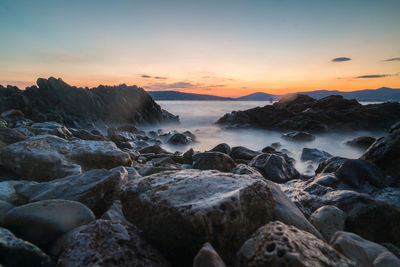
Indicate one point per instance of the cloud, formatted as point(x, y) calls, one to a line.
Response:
point(372, 76)
point(393, 59)
point(341, 59)
point(166, 86)
point(153, 77)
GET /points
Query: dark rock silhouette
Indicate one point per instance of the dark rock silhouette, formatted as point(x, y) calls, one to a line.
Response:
point(54, 100)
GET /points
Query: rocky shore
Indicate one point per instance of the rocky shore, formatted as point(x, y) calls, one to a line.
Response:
point(77, 196)
point(303, 113)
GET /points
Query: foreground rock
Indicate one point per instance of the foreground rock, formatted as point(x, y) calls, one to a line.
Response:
point(43, 222)
point(303, 113)
point(275, 167)
point(47, 157)
point(107, 243)
point(17, 252)
point(363, 252)
point(385, 153)
point(208, 257)
point(54, 100)
point(213, 161)
point(277, 244)
point(222, 208)
point(97, 189)
point(243, 153)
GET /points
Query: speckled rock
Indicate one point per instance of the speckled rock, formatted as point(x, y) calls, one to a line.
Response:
point(277, 244)
point(107, 243)
point(222, 208)
point(47, 157)
point(17, 252)
point(328, 220)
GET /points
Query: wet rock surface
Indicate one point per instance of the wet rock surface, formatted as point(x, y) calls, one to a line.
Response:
point(213, 161)
point(277, 244)
point(222, 208)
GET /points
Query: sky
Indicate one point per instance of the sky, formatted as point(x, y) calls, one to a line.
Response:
point(219, 47)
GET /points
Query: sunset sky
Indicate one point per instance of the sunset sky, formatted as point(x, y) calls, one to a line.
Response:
point(220, 47)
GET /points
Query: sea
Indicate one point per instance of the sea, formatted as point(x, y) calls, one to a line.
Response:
point(199, 118)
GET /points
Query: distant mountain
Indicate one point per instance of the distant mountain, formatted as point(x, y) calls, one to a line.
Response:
point(175, 95)
point(379, 95)
point(259, 96)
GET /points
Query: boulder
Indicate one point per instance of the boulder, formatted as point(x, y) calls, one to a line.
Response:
point(240, 152)
point(97, 189)
point(268, 149)
point(187, 157)
point(361, 142)
point(287, 212)
point(179, 139)
point(245, 169)
point(114, 213)
point(43, 158)
point(330, 165)
point(275, 167)
point(223, 148)
point(315, 155)
point(108, 243)
point(50, 128)
point(4, 208)
point(86, 135)
point(328, 220)
point(361, 251)
point(44, 221)
point(10, 136)
point(8, 193)
point(213, 161)
point(277, 244)
point(17, 252)
point(207, 206)
point(208, 257)
point(360, 175)
point(299, 136)
point(385, 153)
point(151, 149)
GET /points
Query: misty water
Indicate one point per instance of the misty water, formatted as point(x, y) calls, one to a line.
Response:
point(199, 116)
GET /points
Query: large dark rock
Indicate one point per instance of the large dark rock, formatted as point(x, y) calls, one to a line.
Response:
point(362, 142)
point(223, 148)
point(298, 136)
point(275, 167)
point(97, 189)
point(9, 136)
point(47, 157)
point(315, 155)
point(213, 161)
point(107, 243)
point(44, 221)
point(15, 252)
point(208, 257)
point(277, 244)
point(303, 113)
point(54, 100)
point(385, 153)
point(243, 153)
point(180, 211)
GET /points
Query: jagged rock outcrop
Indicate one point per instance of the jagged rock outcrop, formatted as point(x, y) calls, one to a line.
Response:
point(54, 100)
point(303, 113)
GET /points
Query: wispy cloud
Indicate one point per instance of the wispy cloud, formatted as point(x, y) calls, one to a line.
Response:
point(372, 76)
point(393, 59)
point(341, 59)
point(153, 77)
